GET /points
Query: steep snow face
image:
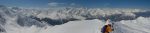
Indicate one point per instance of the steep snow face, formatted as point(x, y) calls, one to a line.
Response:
point(140, 25)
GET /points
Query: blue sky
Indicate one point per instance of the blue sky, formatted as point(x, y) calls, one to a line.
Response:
point(78, 3)
point(25, 3)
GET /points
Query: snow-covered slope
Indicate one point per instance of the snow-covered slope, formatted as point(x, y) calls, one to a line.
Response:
point(140, 25)
point(71, 20)
point(83, 26)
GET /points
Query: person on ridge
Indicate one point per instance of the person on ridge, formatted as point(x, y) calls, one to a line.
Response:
point(107, 28)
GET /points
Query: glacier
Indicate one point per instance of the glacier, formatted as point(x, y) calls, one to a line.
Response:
point(72, 20)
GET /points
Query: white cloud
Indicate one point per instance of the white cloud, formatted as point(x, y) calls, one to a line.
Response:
point(55, 4)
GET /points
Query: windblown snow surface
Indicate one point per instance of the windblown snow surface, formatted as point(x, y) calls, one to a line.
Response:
point(72, 20)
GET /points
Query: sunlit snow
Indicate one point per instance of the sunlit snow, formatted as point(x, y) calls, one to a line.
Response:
point(71, 20)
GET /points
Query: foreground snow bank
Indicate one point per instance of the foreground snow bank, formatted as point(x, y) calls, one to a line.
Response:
point(83, 26)
point(140, 25)
point(86, 26)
